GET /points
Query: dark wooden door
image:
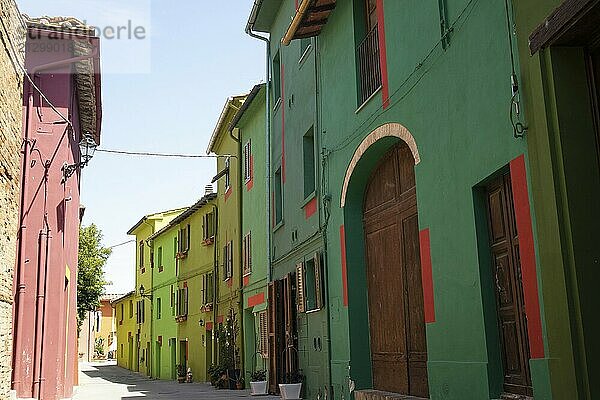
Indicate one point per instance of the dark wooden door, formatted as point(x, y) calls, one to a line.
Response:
point(504, 243)
point(283, 332)
point(396, 313)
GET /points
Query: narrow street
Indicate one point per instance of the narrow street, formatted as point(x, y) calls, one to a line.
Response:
point(106, 381)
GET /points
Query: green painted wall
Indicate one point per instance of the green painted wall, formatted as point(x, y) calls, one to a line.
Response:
point(199, 262)
point(254, 220)
point(164, 283)
point(565, 182)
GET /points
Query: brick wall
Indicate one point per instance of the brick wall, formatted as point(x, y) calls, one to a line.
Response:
point(12, 35)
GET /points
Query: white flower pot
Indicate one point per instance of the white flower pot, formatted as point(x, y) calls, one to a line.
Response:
point(290, 391)
point(258, 388)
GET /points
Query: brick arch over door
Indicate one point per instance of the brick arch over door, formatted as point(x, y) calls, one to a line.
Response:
point(384, 131)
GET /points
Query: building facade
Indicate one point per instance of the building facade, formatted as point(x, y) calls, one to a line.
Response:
point(250, 121)
point(46, 267)
point(125, 327)
point(559, 66)
point(12, 30)
point(144, 307)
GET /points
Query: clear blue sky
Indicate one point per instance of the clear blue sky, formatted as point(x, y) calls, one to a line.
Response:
point(195, 56)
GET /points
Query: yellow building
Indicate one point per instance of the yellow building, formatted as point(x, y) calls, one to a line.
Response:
point(125, 328)
point(142, 337)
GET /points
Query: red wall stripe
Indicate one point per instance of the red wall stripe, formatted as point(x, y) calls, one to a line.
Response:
point(310, 208)
point(518, 174)
point(220, 319)
point(250, 183)
point(344, 267)
point(282, 123)
point(246, 280)
point(256, 299)
point(385, 91)
point(209, 326)
point(427, 276)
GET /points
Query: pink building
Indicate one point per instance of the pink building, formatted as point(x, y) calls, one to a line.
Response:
point(61, 111)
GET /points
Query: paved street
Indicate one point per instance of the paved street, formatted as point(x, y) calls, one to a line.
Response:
point(106, 381)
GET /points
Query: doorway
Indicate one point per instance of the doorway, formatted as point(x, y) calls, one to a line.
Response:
point(510, 302)
point(173, 348)
point(283, 331)
point(395, 293)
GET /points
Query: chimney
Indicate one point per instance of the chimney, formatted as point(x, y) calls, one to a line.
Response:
point(208, 189)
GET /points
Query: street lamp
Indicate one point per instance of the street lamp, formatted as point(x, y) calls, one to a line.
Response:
point(87, 148)
point(142, 291)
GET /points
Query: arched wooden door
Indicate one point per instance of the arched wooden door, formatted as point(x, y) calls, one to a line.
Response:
point(395, 292)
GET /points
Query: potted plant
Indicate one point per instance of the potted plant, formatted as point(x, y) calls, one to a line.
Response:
point(258, 383)
point(290, 390)
point(181, 373)
point(239, 383)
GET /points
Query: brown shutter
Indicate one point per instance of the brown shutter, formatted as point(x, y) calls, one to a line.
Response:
point(300, 298)
point(264, 334)
point(318, 281)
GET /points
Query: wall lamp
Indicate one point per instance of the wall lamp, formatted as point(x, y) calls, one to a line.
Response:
point(87, 148)
point(143, 291)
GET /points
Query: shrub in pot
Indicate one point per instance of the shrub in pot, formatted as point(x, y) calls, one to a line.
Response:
point(291, 389)
point(181, 373)
point(258, 382)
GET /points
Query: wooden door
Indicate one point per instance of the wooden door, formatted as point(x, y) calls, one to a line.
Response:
point(395, 292)
point(504, 244)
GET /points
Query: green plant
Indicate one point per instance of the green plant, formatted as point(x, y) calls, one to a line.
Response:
point(294, 377)
point(181, 373)
point(258, 376)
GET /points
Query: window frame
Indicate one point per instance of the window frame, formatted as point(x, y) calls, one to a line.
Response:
point(248, 161)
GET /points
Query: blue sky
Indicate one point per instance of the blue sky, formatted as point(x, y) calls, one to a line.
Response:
point(163, 94)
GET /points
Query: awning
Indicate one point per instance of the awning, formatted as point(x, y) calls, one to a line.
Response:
point(574, 22)
point(258, 308)
point(310, 18)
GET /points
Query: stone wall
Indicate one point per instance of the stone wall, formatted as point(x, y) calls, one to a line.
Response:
point(12, 35)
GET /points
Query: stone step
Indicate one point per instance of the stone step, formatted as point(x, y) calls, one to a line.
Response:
point(379, 395)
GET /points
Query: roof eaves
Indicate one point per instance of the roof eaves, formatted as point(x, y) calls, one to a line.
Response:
point(221, 122)
point(247, 103)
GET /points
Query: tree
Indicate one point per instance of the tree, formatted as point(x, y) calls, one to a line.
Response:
point(90, 275)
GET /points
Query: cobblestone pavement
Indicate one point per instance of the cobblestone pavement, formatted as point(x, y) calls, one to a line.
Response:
point(106, 381)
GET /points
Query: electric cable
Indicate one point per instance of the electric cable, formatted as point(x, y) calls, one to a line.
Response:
point(170, 155)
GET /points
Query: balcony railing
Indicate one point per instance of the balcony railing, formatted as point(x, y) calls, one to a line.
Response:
point(368, 65)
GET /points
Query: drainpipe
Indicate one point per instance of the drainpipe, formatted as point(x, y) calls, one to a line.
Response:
point(249, 31)
point(20, 285)
point(149, 359)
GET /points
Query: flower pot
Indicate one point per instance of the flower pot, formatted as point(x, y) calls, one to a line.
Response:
point(290, 391)
point(258, 388)
point(181, 379)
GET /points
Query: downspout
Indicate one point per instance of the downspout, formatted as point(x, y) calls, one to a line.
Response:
point(325, 198)
point(42, 290)
point(249, 31)
point(20, 285)
point(150, 362)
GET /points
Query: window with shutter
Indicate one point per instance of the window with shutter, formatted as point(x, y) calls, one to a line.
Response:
point(300, 299)
point(247, 163)
point(318, 281)
point(225, 263)
point(263, 329)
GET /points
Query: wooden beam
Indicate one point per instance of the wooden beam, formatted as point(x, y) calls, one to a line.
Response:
point(289, 35)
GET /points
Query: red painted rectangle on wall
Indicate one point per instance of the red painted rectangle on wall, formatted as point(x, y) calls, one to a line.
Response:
point(256, 299)
point(209, 326)
point(310, 208)
point(518, 175)
point(344, 270)
point(427, 275)
point(385, 91)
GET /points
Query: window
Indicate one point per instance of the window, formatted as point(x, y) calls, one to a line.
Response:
point(276, 78)
point(367, 49)
point(207, 288)
point(140, 312)
point(247, 253)
point(227, 174)
point(228, 261)
point(159, 259)
point(304, 45)
point(263, 331)
point(122, 314)
point(309, 285)
point(208, 227)
point(141, 254)
point(184, 240)
point(151, 257)
point(175, 246)
point(172, 301)
point(247, 161)
point(278, 197)
point(158, 308)
point(182, 302)
point(130, 308)
point(308, 148)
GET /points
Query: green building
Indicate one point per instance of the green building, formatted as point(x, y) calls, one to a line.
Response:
point(431, 277)
point(250, 122)
point(560, 68)
point(126, 328)
point(142, 337)
point(225, 143)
